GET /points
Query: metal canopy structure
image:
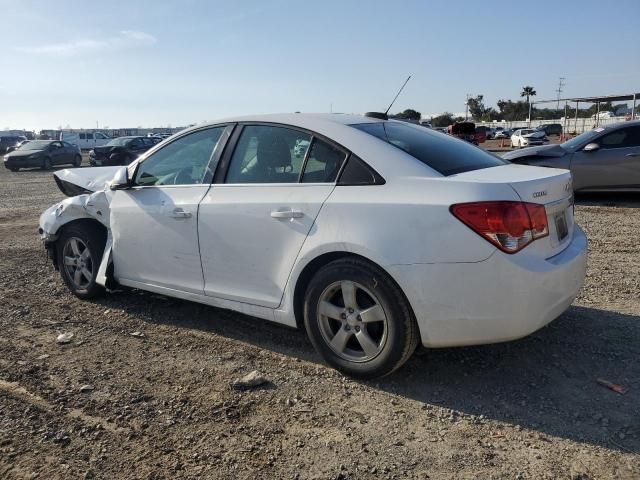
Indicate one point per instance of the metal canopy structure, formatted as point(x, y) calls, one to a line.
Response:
point(605, 98)
point(597, 100)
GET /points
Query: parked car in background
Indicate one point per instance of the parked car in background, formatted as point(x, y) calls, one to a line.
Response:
point(120, 151)
point(363, 244)
point(500, 134)
point(85, 140)
point(602, 159)
point(550, 129)
point(526, 137)
point(482, 133)
point(43, 154)
point(604, 115)
point(300, 148)
point(464, 131)
point(10, 142)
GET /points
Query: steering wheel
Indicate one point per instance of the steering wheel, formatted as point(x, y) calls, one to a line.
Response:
point(183, 177)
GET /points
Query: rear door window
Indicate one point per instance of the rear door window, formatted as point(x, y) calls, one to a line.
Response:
point(444, 154)
point(266, 154)
point(323, 163)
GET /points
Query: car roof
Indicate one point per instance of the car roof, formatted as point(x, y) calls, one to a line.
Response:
point(383, 157)
point(298, 119)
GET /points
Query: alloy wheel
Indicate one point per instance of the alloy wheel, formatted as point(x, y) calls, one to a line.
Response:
point(352, 321)
point(78, 263)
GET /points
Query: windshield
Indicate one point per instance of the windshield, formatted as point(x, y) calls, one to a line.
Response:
point(118, 142)
point(35, 145)
point(442, 153)
point(581, 139)
point(526, 132)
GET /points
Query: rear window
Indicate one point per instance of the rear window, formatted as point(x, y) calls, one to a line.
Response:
point(444, 154)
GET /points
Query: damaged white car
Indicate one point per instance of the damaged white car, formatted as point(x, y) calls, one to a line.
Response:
point(378, 236)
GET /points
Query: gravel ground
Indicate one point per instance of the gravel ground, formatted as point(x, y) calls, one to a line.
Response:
point(159, 404)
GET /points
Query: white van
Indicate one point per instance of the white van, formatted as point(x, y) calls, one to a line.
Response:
point(85, 140)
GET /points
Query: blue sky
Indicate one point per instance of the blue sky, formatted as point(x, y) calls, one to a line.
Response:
point(149, 63)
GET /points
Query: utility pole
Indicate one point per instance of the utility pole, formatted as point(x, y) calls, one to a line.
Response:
point(561, 84)
point(466, 109)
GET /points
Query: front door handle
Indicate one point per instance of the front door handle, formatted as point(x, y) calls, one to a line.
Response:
point(287, 214)
point(180, 213)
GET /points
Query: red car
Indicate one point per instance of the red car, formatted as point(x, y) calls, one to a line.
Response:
point(467, 131)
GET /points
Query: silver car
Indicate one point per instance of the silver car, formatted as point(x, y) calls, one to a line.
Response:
point(602, 159)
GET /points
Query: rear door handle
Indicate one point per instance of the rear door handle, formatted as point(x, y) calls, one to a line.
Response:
point(180, 213)
point(287, 214)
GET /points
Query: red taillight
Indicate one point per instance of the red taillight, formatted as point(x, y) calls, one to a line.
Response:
point(510, 226)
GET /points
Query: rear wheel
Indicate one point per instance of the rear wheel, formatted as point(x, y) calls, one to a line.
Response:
point(77, 161)
point(46, 164)
point(358, 319)
point(79, 251)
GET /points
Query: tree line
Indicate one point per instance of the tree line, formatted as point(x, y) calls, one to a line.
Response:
point(510, 111)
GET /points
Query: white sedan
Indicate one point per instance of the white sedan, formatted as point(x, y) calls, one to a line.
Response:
point(527, 137)
point(381, 236)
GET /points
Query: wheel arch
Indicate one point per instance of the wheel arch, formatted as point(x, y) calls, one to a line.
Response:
point(313, 266)
point(87, 221)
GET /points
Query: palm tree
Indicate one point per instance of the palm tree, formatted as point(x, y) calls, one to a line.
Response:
point(528, 92)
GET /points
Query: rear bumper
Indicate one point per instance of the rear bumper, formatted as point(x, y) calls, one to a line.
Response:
point(502, 298)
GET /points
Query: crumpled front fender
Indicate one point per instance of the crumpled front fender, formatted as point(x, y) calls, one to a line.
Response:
point(92, 206)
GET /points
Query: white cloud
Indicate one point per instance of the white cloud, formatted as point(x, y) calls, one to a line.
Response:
point(124, 39)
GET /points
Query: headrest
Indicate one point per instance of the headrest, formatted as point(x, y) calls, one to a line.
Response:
point(273, 152)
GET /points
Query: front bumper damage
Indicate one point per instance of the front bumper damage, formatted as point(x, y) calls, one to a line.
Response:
point(92, 206)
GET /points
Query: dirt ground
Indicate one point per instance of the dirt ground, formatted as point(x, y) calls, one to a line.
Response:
point(160, 405)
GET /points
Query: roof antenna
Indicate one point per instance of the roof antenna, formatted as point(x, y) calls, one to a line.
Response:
point(398, 94)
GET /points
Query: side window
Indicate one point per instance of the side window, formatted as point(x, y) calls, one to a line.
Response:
point(136, 143)
point(614, 139)
point(184, 161)
point(323, 164)
point(356, 172)
point(633, 137)
point(83, 136)
point(266, 154)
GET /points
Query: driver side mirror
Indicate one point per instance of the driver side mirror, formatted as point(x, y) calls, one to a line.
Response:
point(591, 147)
point(121, 180)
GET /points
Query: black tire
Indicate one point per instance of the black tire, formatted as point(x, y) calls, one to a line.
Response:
point(77, 161)
point(46, 164)
point(93, 237)
point(401, 336)
point(14, 169)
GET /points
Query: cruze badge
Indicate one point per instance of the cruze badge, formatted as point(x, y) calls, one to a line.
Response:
point(543, 193)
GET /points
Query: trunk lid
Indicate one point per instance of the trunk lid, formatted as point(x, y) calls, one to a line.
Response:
point(551, 187)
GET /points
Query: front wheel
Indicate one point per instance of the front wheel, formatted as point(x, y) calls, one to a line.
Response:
point(79, 253)
point(77, 161)
point(358, 319)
